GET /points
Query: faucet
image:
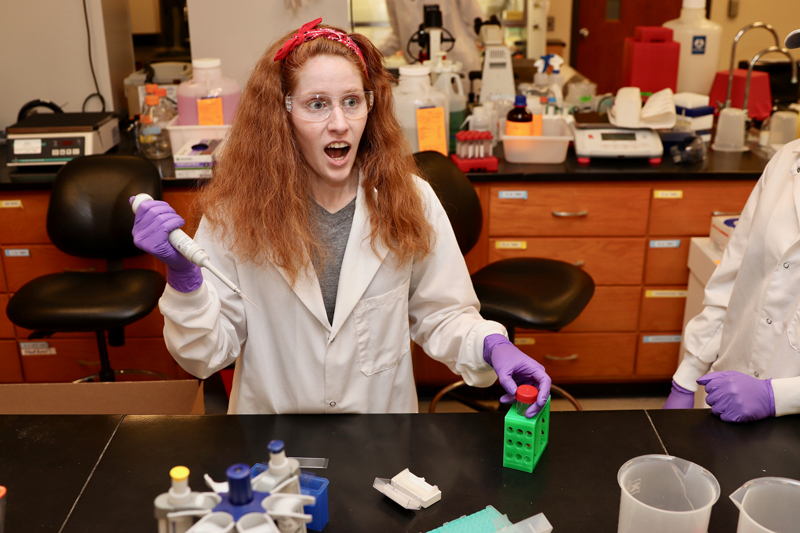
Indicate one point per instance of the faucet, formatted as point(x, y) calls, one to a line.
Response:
point(753, 62)
point(744, 30)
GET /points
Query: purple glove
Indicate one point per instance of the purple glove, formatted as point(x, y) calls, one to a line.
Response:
point(679, 398)
point(515, 368)
point(737, 397)
point(154, 220)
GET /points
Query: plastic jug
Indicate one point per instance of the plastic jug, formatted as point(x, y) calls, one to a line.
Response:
point(209, 98)
point(768, 505)
point(449, 83)
point(414, 91)
point(665, 494)
point(700, 45)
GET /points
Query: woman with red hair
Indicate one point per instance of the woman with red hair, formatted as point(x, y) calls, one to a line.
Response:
point(315, 211)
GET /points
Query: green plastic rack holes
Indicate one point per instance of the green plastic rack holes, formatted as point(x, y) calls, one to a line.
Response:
point(525, 438)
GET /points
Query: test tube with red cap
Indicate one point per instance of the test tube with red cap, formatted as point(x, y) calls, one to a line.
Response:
point(526, 395)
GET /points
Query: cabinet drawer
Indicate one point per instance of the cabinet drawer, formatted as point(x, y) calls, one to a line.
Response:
point(658, 354)
point(662, 308)
point(610, 309)
point(10, 369)
point(45, 259)
point(569, 211)
point(182, 201)
point(77, 358)
point(610, 261)
point(3, 287)
point(666, 262)
point(690, 214)
point(582, 355)
point(25, 222)
point(6, 327)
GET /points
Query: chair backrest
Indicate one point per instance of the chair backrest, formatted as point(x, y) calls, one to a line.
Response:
point(458, 196)
point(89, 213)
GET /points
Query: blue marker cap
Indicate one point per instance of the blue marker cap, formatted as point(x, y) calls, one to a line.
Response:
point(276, 446)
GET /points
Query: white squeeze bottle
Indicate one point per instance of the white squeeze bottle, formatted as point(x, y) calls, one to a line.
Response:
point(700, 45)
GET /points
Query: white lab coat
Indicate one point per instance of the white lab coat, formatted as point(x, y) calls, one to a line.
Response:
point(290, 359)
point(751, 319)
point(458, 18)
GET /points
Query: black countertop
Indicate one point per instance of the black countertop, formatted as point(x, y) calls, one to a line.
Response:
point(46, 461)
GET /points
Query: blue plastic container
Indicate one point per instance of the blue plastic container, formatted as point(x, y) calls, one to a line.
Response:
point(317, 487)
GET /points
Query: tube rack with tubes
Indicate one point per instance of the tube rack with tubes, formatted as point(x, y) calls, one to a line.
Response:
point(474, 151)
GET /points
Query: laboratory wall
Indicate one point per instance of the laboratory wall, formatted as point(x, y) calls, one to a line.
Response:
point(784, 15)
point(45, 54)
point(239, 32)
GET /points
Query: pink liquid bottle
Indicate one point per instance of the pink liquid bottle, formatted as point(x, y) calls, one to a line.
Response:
point(209, 98)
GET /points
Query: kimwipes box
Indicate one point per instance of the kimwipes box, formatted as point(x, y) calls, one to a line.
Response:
point(721, 230)
point(174, 397)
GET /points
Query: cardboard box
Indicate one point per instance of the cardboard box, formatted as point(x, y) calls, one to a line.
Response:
point(721, 230)
point(179, 397)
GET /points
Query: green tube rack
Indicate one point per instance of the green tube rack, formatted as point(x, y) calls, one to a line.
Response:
point(524, 439)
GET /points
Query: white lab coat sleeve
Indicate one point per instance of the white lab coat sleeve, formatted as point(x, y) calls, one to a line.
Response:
point(443, 308)
point(205, 329)
point(391, 44)
point(787, 395)
point(703, 333)
point(469, 10)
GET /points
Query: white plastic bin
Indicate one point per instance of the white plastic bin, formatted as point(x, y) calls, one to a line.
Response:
point(540, 149)
point(180, 135)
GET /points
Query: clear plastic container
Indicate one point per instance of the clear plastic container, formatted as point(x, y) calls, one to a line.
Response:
point(730, 131)
point(665, 494)
point(167, 107)
point(151, 130)
point(768, 505)
point(549, 148)
point(200, 99)
point(414, 91)
point(700, 47)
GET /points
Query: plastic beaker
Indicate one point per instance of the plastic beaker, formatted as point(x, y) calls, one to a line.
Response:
point(661, 493)
point(730, 131)
point(768, 505)
point(783, 127)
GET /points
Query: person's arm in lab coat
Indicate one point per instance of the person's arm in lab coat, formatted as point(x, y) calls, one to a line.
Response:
point(703, 333)
point(205, 329)
point(391, 44)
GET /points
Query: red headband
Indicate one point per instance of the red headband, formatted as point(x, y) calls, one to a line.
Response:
point(308, 33)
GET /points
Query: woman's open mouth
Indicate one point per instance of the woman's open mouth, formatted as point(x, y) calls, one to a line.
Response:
point(337, 151)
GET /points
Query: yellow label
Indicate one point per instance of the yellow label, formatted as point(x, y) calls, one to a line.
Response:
point(665, 294)
point(209, 111)
point(515, 245)
point(519, 129)
point(668, 195)
point(716, 261)
point(536, 128)
point(11, 204)
point(430, 130)
point(520, 341)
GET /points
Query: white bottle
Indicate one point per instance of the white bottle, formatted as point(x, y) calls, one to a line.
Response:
point(449, 82)
point(700, 46)
point(414, 91)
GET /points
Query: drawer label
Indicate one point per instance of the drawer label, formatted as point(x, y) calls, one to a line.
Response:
point(668, 195)
point(521, 341)
point(674, 243)
point(661, 338)
point(665, 294)
point(17, 252)
point(36, 348)
point(513, 195)
point(511, 245)
point(11, 204)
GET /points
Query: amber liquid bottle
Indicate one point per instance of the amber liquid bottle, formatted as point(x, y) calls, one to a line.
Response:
point(519, 121)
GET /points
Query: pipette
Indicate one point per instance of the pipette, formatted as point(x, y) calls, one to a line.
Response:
point(192, 251)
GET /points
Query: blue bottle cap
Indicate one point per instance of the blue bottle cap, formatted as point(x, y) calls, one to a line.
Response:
point(275, 446)
point(520, 101)
point(240, 489)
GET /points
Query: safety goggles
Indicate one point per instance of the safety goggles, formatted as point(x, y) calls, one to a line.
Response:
point(318, 107)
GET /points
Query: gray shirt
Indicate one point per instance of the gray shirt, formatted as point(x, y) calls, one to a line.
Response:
point(334, 230)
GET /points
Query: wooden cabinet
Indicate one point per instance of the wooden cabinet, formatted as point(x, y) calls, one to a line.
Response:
point(686, 208)
point(10, 369)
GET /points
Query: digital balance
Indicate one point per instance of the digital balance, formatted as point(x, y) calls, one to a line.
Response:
point(607, 141)
point(55, 138)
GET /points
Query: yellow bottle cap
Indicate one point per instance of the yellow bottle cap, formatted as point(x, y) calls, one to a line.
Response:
point(179, 473)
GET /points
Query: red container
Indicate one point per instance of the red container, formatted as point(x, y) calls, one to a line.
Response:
point(759, 101)
point(650, 59)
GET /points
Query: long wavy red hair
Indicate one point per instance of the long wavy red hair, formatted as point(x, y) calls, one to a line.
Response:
point(259, 200)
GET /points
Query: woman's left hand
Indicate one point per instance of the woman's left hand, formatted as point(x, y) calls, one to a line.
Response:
point(514, 368)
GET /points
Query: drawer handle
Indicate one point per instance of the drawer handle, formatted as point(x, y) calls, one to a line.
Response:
point(579, 263)
point(565, 358)
point(726, 213)
point(87, 269)
point(567, 214)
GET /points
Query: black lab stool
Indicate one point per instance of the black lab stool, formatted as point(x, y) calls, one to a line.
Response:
point(530, 293)
point(89, 216)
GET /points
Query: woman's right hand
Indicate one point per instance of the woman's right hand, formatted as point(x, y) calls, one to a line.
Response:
point(679, 398)
point(151, 228)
